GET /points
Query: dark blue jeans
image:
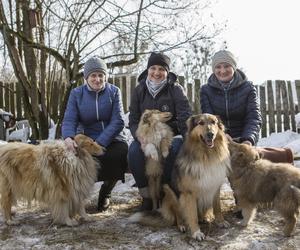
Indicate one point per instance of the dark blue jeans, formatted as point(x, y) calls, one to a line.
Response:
point(136, 162)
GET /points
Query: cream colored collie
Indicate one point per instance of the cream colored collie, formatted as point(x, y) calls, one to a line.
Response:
point(48, 173)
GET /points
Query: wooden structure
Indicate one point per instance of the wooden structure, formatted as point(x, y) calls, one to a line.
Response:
point(279, 100)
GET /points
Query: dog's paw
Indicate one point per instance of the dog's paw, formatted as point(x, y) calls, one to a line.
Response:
point(12, 222)
point(86, 218)
point(243, 223)
point(71, 222)
point(165, 153)
point(150, 151)
point(198, 235)
point(182, 228)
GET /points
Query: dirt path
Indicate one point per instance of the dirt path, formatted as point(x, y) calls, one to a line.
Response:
point(111, 229)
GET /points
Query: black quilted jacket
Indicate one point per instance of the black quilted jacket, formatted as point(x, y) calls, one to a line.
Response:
point(237, 106)
point(171, 98)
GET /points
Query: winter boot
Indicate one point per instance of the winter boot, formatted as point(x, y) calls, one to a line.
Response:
point(104, 195)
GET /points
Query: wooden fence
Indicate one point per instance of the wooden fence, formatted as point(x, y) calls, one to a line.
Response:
point(279, 100)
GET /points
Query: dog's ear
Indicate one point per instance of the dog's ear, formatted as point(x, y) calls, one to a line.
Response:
point(220, 123)
point(259, 155)
point(191, 123)
point(146, 118)
point(79, 138)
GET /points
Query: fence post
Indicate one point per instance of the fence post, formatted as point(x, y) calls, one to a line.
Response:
point(297, 86)
point(12, 98)
point(1, 94)
point(132, 85)
point(286, 119)
point(262, 94)
point(124, 93)
point(291, 104)
point(278, 106)
point(197, 86)
point(190, 95)
point(271, 112)
point(19, 98)
point(6, 97)
point(181, 82)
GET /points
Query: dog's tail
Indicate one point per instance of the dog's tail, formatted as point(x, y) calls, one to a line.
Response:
point(163, 217)
point(296, 191)
point(150, 218)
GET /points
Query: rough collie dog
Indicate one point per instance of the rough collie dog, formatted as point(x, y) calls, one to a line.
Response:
point(48, 173)
point(201, 169)
point(256, 180)
point(155, 137)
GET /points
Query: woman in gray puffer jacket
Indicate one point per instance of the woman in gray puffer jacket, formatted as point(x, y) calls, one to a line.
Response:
point(230, 95)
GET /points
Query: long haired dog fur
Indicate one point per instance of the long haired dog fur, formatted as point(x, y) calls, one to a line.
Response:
point(155, 137)
point(50, 174)
point(255, 181)
point(201, 168)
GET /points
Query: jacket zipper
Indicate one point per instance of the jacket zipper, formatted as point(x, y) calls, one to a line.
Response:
point(97, 110)
point(97, 106)
point(226, 107)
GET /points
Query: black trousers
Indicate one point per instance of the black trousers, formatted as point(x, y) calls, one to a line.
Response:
point(113, 163)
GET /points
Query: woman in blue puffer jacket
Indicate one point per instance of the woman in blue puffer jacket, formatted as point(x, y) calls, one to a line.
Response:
point(230, 95)
point(96, 110)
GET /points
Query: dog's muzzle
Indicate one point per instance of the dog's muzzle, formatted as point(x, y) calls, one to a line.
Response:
point(209, 139)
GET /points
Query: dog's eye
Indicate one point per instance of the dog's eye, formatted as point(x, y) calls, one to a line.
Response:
point(213, 122)
point(201, 123)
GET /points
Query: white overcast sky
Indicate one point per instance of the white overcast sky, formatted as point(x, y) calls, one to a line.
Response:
point(264, 35)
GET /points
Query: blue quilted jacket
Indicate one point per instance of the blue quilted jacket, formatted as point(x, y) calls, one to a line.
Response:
point(98, 115)
point(237, 106)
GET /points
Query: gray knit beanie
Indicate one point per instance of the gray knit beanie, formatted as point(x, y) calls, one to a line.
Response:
point(94, 64)
point(223, 56)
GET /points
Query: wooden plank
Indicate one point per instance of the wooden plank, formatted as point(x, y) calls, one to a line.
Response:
point(124, 92)
point(278, 106)
point(190, 94)
point(297, 85)
point(55, 97)
point(19, 106)
point(133, 82)
point(291, 106)
point(286, 118)
point(197, 87)
point(12, 98)
point(117, 82)
point(263, 109)
point(271, 111)
point(1, 94)
point(6, 97)
point(181, 82)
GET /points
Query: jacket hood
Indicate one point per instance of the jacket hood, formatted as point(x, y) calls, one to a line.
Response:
point(172, 77)
point(239, 79)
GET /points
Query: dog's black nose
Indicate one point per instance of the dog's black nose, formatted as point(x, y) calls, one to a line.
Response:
point(210, 135)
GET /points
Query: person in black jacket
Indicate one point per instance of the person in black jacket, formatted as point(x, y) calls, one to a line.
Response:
point(231, 96)
point(157, 89)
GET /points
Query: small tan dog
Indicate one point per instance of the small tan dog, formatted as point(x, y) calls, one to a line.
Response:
point(155, 137)
point(51, 174)
point(256, 180)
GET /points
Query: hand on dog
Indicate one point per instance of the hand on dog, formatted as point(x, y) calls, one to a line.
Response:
point(247, 142)
point(71, 144)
